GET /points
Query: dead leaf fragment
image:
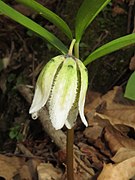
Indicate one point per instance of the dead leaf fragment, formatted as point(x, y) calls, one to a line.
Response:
point(117, 109)
point(116, 140)
point(23, 9)
point(46, 171)
point(121, 171)
point(10, 165)
point(92, 133)
point(18, 167)
point(117, 10)
point(29, 169)
point(132, 63)
point(123, 154)
point(92, 154)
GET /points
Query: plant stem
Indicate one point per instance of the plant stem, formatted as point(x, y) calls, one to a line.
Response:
point(70, 142)
point(70, 132)
point(70, 51)
point(76, 48)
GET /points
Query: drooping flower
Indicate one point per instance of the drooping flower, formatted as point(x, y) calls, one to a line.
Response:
point(62, 84)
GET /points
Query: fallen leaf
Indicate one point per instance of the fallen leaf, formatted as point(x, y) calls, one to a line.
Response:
point(93, 132)
point(47, 171)
point(92, 155)
point(10, 165)
point(121, 171)
point(123, 154)
point(23, 9)
point(112, 107)
point(29, 169)
point(91, 96)
point(102, 146)
point(116, 140)
point(132, 63)
point(117, 10)
point(17, 167)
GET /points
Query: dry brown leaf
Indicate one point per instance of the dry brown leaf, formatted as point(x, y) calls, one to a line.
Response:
point(91, 96)
point(116, 140)
point(23, 9)
point(79, 175)
point(119, 109)
point(123, 154)
point(132, 63)
point(24, 172)
point(10, 165)
point(29, 169)
point(92, 155)
point(103, 147)
point(122, 171)
point(47, 171)
point(92, 133)
point(117, 10)
point(16, 167)
point(114, 108)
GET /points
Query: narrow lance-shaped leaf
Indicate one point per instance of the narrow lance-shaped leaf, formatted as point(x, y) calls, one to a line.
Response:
point(49, 15)
point(18, 17)
point(110, 47)
point(86, 13)
point(130, 88)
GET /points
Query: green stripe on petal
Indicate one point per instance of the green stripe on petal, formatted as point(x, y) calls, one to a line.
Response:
point(63, 93)
point(44, 83)
point(83, 90)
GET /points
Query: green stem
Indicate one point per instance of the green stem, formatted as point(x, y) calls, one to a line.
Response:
point(70, 51)
point(70, 142)
point(76, 48)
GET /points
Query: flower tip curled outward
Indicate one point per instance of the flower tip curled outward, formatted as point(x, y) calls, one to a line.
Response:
point(57, 84)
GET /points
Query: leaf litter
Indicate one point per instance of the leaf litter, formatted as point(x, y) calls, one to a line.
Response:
point(112, 117)
point(104, 151)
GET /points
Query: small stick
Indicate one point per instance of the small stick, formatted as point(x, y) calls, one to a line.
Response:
point(24, 150)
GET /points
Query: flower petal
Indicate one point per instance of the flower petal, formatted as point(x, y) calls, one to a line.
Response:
point(70, 121)
point(63, 93)
point(83, 89)
point(44, 83)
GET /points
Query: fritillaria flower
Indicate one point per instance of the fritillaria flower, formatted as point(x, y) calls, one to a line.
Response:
point(62, 84)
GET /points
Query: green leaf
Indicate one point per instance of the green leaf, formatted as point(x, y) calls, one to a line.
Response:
point(18, 17)
point(49, 15)
point(86, 13)
point(130, 88)
point(111, 47)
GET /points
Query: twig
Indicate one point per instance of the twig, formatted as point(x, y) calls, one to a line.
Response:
point(24, 150)
point(131, 5)
point(22, 156)
point(83, 166)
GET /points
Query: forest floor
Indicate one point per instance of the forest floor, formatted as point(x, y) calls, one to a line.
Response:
point(32, 150)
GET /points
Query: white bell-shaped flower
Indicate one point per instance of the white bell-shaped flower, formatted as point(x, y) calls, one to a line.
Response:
point(63, 84)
